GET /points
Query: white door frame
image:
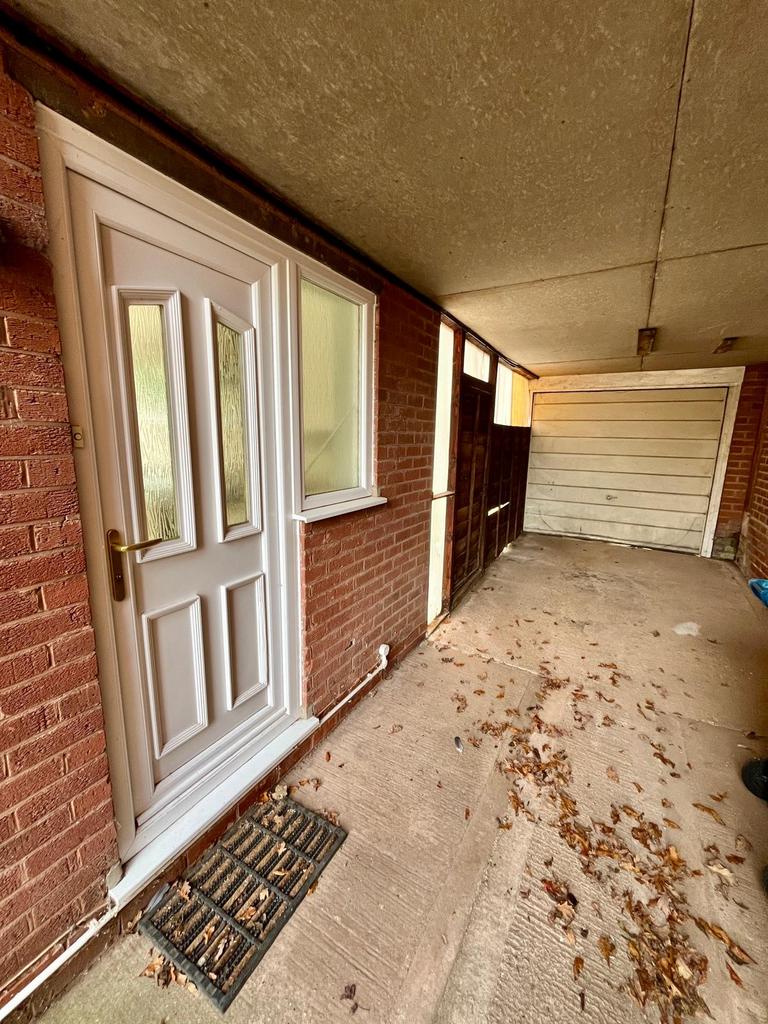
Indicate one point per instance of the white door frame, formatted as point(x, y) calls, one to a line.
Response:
point(730, 377)
point(66, 147)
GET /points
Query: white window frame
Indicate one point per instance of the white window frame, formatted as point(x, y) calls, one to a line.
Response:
point(333, 503)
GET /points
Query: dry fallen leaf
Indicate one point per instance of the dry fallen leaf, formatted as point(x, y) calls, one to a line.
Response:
point(607, 948)
point(720, 869)
point(578, 966)
point(710, 811)
point(327, 755)
point(735, 952)
point(612, 774)
point(734, 976)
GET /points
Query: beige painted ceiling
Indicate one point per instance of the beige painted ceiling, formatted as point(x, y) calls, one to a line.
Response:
point(534, 166)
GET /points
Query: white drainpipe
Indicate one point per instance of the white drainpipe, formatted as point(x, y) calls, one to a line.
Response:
point(94, 927)
point(383, 652)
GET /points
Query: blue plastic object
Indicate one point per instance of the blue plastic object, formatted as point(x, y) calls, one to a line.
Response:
point(760, 589)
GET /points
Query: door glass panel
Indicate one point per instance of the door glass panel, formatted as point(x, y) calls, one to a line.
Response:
point(150, 385)
point(330, 389)
point(230, 382)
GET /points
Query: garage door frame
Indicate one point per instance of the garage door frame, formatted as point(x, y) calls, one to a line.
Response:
point(730, 377)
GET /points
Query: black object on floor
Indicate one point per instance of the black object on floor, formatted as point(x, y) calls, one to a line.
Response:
point(754, 775)
point(218, 920)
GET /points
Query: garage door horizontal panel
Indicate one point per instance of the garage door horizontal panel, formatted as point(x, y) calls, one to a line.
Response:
point(628, 466)
point(626, 428)
point(649, 395)
point(624, 464)
point(631, 411)
point(631, 499)
point(650, 536)
point(680, 448)
point(617, 514)
point(622, 481)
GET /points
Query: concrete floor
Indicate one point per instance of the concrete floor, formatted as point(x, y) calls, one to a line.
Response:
point(435, 913)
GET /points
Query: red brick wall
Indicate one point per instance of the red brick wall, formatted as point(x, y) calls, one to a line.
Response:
point(740, 461)
point(366, 574)
point(57, 834)
point(753, 551)
point(753, 545)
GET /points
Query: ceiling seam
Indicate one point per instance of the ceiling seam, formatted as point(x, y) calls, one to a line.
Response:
point(546, 280)
point(606, 270)
point(662, 222)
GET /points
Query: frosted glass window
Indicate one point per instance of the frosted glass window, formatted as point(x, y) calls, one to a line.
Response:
point(512, 404)
point(230, 381)
point(477, 362)
point(436, 558)
point(502, 411)
point(443, 404)
point(521, 401)
point(150, 387)
point(330, 390)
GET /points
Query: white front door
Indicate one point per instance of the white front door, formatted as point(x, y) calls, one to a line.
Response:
point(178, 372)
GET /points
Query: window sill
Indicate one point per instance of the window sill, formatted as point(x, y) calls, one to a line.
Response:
point(312, 515)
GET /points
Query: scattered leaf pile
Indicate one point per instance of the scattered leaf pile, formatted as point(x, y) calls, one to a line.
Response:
point(628, 855)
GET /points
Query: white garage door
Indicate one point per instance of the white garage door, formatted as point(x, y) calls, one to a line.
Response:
point(632, 466)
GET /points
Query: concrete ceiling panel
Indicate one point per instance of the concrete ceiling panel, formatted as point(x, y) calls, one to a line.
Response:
point(588, 317)
point(462, 145)
point(694, 361)
point(509, 157)
point(717, 194)
point(701, 300)
point(587, 366)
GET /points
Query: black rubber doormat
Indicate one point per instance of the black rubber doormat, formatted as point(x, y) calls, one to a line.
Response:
point(218, 920)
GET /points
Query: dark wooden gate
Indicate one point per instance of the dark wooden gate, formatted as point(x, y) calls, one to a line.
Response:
point(507, 473)
point(473, 451)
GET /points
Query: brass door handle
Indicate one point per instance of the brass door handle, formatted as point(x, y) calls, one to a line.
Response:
point(115, 548)
point(140, 545)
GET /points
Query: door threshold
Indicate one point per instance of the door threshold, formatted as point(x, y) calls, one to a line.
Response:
point(160, 852)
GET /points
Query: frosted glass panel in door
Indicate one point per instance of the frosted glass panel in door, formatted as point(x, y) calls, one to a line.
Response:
point(330, 389)
point(153, 422)
point(231, 384)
